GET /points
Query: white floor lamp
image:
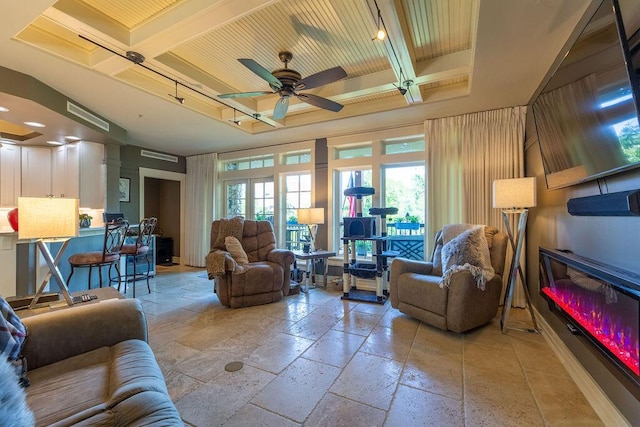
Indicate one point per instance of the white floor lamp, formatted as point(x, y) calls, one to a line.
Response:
point(515, 196)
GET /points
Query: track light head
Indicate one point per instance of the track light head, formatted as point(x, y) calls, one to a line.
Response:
point(402, 90)
point(176, 97)
point(235, 121)
point(381, 33)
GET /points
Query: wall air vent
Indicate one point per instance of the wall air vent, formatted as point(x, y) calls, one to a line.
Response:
point(159, 156)
point(87, 116)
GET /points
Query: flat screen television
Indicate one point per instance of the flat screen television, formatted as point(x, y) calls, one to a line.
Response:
point(586, 116)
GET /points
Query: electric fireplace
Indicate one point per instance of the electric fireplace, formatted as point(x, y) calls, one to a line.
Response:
point(599, 301)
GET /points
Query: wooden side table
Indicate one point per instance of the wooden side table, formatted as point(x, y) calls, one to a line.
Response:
point(310, 260)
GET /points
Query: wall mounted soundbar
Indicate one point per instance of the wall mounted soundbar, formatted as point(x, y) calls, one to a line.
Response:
point(624, 203)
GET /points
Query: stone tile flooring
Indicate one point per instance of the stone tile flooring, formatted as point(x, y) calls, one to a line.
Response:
point(315, 360)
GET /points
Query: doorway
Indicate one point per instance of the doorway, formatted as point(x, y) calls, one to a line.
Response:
point(162, 195)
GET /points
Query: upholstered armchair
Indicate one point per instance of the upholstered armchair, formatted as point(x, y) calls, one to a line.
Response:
point(245, 264)
point(416, 288)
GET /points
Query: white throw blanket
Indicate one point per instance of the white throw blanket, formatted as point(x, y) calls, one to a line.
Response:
point(465, 247)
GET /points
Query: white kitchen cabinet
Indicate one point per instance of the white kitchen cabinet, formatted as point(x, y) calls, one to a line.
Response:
point(92, 175)
point(9, 175)
point(72, 170)
point(65, 171)
point(36, 171)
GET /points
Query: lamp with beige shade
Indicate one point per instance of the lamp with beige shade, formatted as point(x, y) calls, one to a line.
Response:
point(515, 196)
point(48, 219)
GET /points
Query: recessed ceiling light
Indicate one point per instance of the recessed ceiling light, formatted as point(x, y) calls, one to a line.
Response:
point(3, 109)
point(35, 124)
point(55, 142)
point(72, 138)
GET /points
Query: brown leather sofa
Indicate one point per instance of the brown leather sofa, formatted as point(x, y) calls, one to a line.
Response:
point(414, 288)
point(265, 279)
point(91, 365)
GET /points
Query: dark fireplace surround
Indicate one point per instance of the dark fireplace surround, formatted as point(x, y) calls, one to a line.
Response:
point(599, 302)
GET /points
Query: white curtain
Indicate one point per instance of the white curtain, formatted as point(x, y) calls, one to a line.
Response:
point(465, 154)
point(201, 183)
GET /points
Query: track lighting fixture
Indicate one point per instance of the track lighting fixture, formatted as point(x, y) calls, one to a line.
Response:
point(176, 97)
point(403, 83)
point(237, 122)
point(381, 33)
point(138, 59)
point(402, 86)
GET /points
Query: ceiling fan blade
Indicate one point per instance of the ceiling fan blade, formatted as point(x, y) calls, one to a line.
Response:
point(320, 102)
point(281, 108)
point(261, 71)
point(244, 94)
point(322, 78)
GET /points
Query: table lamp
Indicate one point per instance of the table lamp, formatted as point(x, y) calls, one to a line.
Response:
point(515, 196)
point(311, 217)
point(48, 219)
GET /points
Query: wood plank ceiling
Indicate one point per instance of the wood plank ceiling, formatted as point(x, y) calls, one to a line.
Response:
point(428, 51)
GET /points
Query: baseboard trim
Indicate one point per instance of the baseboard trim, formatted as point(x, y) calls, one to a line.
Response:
point(599, 401)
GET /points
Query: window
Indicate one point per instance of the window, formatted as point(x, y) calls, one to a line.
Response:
point(297, 195)
point(236, 197)
point(391, 161)
point(263, 201)
point(249, 163)
point(348, 207)
point(296, 158)
point(404, 188)
point(409, 146)
point(259, 192)
point(353, 152)
point(268, 184)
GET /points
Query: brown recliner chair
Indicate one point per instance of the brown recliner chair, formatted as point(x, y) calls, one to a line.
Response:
point(265, 279)
point(414, 288)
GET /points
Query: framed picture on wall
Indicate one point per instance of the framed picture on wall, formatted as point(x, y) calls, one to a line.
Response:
point(124, 187)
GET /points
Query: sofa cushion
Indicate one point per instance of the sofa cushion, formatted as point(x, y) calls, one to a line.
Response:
point(235, 250)
point(422, 291)
point(228, 227)
point(87, 387)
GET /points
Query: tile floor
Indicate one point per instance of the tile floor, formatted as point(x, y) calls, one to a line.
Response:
point(315, 360)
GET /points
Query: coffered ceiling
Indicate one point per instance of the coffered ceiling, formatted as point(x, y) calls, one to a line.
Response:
point(451, 56)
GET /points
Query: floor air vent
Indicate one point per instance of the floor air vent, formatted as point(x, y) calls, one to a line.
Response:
point(159, 156)
point(87, 116)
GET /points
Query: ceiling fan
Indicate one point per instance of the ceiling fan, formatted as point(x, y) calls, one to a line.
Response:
point(287, 82)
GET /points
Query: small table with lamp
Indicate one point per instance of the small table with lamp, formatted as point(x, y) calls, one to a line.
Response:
point(310, 259)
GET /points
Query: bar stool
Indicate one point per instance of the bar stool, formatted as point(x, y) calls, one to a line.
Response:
point(138, 249)
point(114, 235)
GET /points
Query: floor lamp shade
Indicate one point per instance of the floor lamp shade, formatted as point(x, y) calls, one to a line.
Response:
point(311, 216)
point(514, 193)
point(47, 217)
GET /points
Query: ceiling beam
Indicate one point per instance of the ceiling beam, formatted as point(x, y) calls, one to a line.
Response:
point(188, 20)
point(399, 51)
